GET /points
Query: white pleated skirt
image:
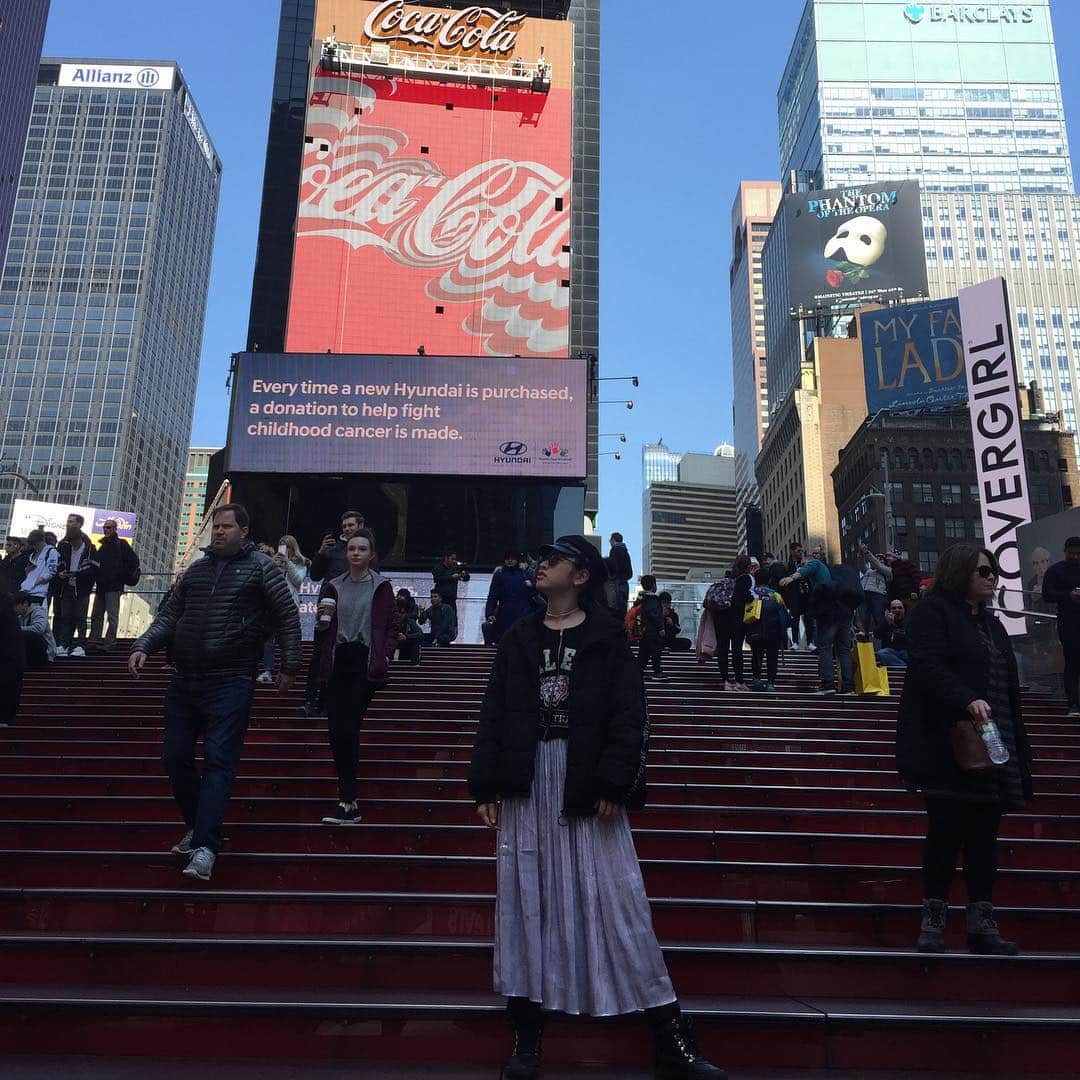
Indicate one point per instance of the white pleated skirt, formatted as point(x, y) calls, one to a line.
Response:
point(573, 929)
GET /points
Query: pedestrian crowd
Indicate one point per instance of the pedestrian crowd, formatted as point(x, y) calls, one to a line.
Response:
point(560, 753)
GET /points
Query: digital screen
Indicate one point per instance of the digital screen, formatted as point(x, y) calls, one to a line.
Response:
point(850, 246)
point(913, 356)
point(434, 211)
point(409, 415)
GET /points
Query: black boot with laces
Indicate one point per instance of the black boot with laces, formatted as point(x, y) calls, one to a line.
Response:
point(527, 1019)
point(677, 1053)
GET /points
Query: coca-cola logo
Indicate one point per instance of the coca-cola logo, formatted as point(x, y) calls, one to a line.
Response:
point(493, 236)
point(477, 27)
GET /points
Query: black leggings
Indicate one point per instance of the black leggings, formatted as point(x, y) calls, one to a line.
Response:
point(348, 695)
point(955, 825)
point(770, 654)
point(730, 636)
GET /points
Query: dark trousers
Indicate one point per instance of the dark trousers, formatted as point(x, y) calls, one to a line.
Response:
point(759, 651)
point(409, 650)
point(650, 649)
point(834, 645)
point(348, 695)
point(730, 636)
point(311, 689)
point(10, 696)
point(218, 708)
point(106, 604)
point(955, 825)
point(37, 652)
point(872, 612)
point(1070, 645)
point(431, 638)
point(69, 622)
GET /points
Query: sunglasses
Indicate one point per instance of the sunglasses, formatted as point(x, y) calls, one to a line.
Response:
point(556, 557)
point(986, 572)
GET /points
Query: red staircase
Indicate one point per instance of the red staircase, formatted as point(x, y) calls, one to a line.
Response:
point(778, 848)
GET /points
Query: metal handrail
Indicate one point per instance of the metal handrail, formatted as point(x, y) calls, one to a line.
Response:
point(381, 56)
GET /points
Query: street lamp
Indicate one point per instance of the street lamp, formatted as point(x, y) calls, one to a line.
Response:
point(612, 453)
point(620, 435)
point(5, 470)
point(628, 404)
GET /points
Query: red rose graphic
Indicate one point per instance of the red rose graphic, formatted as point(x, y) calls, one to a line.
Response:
point(835, 278)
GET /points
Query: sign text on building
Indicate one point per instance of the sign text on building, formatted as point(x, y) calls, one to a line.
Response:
point(968, 13)
point(476, 27)
point(191, 115)
point(127, 76)
point(997, 436)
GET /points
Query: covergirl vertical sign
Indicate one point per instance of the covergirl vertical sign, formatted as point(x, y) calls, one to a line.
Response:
point(997, 435)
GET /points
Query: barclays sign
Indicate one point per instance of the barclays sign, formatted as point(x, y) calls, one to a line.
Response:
point(974, 14)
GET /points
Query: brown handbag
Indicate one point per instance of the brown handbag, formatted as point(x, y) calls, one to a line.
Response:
point(968, 747)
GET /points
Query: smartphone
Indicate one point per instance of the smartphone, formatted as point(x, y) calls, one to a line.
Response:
point(283, 549)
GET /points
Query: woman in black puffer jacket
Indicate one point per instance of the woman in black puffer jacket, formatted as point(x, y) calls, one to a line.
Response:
point(561, 743)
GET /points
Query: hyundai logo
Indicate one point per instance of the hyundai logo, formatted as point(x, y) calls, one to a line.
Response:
point(513, 449)
point(147, 77)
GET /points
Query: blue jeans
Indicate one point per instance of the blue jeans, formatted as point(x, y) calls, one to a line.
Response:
point(872, 611)
point(218, 708)
point(835, 637)
point(894, 658)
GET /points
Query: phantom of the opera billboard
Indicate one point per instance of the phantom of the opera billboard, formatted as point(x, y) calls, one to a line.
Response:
point(434, 206)
point(852, 246)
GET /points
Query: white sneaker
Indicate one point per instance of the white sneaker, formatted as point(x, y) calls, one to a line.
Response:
point(811, 647)
point(61, 651)
point(78, 651)
point(201, 864)
point(265, 678)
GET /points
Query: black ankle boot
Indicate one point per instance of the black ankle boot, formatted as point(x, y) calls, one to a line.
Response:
point(677, 1053)
point(527, 1019)
point(932, 930)
point(982, 933)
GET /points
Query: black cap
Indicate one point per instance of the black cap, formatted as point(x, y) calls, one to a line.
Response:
point(1073, 541)
point(583, 552)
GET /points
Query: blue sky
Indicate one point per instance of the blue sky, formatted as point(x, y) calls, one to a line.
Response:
point(688, 111)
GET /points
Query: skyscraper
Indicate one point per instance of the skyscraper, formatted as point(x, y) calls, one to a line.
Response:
point(688, 517)
point(22, 30)
point(966, 100)
point(103, 292)
point(341, 276)
point(193, 502)
point(751, 217)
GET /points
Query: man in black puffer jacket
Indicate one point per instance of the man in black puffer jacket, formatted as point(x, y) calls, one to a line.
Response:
point(215, 623)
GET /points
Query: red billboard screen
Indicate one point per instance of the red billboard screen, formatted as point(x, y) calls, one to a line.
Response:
point(434, 213)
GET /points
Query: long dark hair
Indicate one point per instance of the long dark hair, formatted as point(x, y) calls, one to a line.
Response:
point(955, 567)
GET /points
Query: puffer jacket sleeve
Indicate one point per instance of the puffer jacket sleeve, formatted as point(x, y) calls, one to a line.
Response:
point(621, 761)
point(162, 629)
point(284, 616)
point(484, 767)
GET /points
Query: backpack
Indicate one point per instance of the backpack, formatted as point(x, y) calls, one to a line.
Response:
point(635, 623)
point(720, 595)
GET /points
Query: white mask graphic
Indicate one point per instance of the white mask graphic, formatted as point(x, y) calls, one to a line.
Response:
point(860, 241)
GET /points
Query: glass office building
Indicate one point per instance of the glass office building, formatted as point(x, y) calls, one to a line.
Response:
point(22, 30)
point(103, 293)
point(966, 99)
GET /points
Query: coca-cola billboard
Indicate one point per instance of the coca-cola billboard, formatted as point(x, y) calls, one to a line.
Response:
point(435, 215)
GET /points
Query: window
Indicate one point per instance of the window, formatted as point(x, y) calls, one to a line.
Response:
point(1040, 493)
point(925, 527)
point(950, 494)
point(973, 494)
point(922, 493)
point(928, 561)
point(900, 525)
point(895, 491)
point(954, 529)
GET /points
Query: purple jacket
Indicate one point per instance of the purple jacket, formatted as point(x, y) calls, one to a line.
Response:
point(384, 629)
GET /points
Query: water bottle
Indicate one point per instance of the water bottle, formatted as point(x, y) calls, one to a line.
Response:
point(998, 751)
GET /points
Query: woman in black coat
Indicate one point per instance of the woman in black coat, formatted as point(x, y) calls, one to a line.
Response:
point(961, 669)
point(561, 742)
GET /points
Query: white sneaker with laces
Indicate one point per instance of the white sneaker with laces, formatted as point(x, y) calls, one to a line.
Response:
point(183, 845)
point(61, 651)
point(265, 678)
point(201, 864)
point(77, 651)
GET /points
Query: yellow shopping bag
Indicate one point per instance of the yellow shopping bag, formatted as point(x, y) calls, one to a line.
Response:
point(752, 611)
point(870, 676)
